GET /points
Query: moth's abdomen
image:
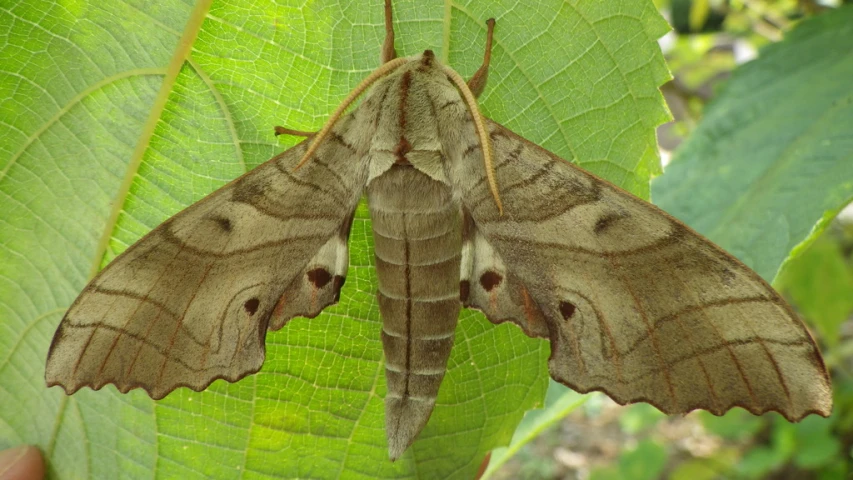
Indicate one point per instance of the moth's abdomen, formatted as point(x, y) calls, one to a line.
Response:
point(417, 233)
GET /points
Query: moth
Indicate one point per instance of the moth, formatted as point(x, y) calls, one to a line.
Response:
point(464, 213)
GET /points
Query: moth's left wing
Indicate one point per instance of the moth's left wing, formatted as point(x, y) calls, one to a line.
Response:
point(636, 304)
point(191, 301)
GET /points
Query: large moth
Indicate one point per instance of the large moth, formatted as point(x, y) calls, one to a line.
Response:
point(464, 213)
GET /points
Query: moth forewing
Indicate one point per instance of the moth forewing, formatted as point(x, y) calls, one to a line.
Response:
point(637, 305)
point(191, 301)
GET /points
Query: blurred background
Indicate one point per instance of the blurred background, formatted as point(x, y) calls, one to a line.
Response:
point(601, 440)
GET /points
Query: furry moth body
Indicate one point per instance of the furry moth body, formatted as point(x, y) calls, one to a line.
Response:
point(634, 303)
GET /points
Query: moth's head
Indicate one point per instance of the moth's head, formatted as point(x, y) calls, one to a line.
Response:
point(423, 63)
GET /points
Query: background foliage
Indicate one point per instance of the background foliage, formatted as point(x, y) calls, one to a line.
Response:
point(115, 115)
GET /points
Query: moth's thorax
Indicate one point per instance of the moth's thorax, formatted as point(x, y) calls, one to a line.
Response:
point(411, 112)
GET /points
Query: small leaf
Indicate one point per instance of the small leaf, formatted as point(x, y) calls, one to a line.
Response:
point(699, 11)
point(735, 425)
point(818, 453)
point(639, 417)
point(760, 461)
point(611, 472)
point(816, 444)
point(709, 468)
point(647, 461)
point(819, 282)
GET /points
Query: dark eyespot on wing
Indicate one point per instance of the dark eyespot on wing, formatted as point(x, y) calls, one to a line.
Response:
point(252, 305)
point(319, 277)
point(223, 223)
point(567, 309)
point(605, 222)
point(490, 280)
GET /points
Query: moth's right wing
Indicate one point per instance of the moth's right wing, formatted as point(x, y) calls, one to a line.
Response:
point(635, 303)
point(192, 301)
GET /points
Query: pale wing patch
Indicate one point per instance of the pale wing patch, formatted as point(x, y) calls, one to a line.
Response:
point(319, 284)
point(487, 285)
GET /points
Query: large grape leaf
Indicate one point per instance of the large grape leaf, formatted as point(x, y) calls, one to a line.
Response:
point(116, 115)
point(772, 160)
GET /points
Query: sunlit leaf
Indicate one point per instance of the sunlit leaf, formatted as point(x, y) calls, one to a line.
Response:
point(116, 115)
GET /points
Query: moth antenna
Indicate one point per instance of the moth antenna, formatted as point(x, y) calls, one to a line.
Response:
point(468, 95)
point(388, 52)
point(367, 82)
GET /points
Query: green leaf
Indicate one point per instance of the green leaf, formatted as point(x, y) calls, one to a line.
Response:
point(644, 462)
point(117, 115)
point(639, 417)
point(819, 282)
point(760, 461)
point(837, 470)
point(772, 161)
point(816, 445)
point(699, 11)
point(783, 437)
point(735, 425)
point(707, 468)
point(810, 444)
point(610, 472)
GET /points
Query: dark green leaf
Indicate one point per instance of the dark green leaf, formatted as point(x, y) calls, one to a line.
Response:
point(772, 160)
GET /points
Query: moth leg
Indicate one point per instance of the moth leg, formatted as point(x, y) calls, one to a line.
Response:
point(478, 81)
point(388, 52)
point(289, 131)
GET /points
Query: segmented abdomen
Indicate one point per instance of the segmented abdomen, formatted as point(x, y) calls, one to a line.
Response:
point(417, 233)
